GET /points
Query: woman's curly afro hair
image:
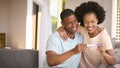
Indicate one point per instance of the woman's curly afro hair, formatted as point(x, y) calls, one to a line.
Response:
point(90, 7)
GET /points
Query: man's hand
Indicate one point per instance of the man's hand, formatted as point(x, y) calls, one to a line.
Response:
point(79, 48)
point(54, 59)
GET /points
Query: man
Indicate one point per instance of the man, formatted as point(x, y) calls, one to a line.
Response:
point(65, 54)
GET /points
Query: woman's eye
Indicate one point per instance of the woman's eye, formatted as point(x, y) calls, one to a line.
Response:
point(85, 22)
point(93, 21)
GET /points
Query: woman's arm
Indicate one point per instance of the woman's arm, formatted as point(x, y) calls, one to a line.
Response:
point(64, 35)
point(106, 48)
point(107, 54)
point(110, 58)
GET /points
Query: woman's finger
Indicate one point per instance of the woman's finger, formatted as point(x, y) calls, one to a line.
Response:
point(66, 37)
point(63, 37)
point(101, 49)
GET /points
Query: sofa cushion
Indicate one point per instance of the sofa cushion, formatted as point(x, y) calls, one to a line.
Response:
point(117, 44)
point(113, 42)
point(18, 58)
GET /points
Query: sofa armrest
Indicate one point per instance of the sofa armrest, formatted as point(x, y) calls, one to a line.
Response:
point(18, 58)
point(117, 44)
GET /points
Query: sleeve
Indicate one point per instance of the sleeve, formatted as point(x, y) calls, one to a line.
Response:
point(81, 38)
point(53, 43)
point(106, 41)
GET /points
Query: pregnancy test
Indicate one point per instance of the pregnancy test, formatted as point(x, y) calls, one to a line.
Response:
point(93, 45)
point(97, 44)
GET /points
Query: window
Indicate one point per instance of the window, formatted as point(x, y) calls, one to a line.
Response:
point(118, 21)
point(54, 14)
point(56, 6)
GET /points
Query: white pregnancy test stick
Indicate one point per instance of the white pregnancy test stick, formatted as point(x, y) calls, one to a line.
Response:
point(92, 44)
point(97, 44)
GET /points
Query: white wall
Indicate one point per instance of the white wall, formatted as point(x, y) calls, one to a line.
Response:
point(3, 16)
point(16, 23)
point(107, 4)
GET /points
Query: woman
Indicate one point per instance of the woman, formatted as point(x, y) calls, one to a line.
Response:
point(90, 14)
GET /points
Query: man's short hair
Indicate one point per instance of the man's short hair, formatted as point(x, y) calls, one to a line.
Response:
point(65, 13)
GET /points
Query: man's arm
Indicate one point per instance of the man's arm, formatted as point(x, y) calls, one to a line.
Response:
point(54, 59)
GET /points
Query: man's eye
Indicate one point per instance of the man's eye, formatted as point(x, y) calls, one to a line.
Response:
point(69, 23)
point(75, 21)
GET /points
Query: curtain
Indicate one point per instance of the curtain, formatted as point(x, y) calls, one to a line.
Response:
point(45, 32)
point(45, 29)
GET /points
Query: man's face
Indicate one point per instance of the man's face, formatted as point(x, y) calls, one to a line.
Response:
point(70, 24)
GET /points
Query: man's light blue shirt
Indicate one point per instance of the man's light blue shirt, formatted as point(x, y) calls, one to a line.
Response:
point(56, 44)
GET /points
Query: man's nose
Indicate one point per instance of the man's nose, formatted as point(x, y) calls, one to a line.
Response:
point(74, 25)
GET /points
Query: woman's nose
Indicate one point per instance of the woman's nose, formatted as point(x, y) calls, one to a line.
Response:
point(89, 24)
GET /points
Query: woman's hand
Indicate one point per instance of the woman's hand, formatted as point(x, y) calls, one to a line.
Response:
point(107, 54)
point(62, 33)
point(101, 49)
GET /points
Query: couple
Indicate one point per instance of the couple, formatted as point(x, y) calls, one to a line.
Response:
point(75, 52)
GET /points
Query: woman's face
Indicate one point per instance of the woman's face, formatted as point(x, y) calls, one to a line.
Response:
point(90, 22)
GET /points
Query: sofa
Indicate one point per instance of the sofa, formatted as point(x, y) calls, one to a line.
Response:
point(25, 58)
point(116, 46)
point(22, 58)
